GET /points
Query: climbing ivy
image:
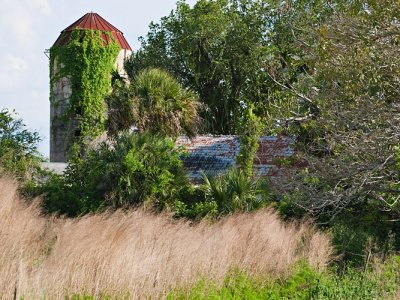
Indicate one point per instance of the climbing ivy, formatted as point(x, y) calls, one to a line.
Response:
point(87, 63)
point(251, 130)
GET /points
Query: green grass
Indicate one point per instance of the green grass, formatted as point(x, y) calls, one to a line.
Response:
point(381, 282)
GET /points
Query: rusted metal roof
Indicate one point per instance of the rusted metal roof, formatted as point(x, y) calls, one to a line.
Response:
point(215, 155)
point(95, 22)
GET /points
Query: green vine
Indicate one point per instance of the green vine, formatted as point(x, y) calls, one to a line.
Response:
point(87, 62)
point(249, 139)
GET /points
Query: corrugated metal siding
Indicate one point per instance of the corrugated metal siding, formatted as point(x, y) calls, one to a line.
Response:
point(214, 155)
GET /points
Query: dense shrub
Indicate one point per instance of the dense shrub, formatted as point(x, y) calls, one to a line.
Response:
point(133, 169)
point(232, 192)
point(146, 169)
point(235, 191)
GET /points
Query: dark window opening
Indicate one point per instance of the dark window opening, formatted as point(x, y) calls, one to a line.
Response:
point(77, 133)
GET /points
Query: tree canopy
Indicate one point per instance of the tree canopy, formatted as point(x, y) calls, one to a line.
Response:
point(217, 48)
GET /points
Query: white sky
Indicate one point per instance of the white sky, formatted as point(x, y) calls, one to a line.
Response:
point(28, 27)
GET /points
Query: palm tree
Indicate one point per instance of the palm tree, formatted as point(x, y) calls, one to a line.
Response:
point(235, 191)
point(155, 102)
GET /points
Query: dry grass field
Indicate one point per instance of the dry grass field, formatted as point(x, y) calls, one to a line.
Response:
point(139, 254)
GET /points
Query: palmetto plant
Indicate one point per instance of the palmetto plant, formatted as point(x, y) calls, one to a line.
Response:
point(155, 102)
point(235, 191)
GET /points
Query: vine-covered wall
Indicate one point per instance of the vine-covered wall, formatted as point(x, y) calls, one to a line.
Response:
point(86, 61)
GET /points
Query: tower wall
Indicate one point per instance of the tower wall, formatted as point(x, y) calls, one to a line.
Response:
point(61, 129)
point(119, 64)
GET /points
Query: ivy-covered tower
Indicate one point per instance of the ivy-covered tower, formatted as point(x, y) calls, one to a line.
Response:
point(82, 62)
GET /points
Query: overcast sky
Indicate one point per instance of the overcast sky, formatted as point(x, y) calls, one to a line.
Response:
point(28, 27)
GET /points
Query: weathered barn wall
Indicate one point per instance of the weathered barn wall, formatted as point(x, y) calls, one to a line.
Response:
point(214, 155)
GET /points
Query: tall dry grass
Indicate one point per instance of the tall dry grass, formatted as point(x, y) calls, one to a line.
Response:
point(139, 254)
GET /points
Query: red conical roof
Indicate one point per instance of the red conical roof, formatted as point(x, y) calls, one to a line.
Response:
point(95, 22)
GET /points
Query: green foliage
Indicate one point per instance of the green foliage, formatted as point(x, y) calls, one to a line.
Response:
point(235, 191)
point(65, 195)
point(302, 283)
point(362, 230)
point(226, 194)
point(249, 140)
point(155, 102)
point(397, 157)
point(199, 210)
point(120, 113)
point(358, 239)
point(18, 148)
point(359, 93)
point(218, 48)
point(158, 171)
point(349, 141)
point(133, 170)
point(230, 50)
point(88, 65)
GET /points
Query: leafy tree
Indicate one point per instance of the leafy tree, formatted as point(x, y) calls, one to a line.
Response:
point(217, 48)
point(155, 102)
point(231, 50)
point(358, 77)
point(350, 145)
point(18, 148)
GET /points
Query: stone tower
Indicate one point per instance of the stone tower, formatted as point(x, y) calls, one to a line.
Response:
point(61, 89)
